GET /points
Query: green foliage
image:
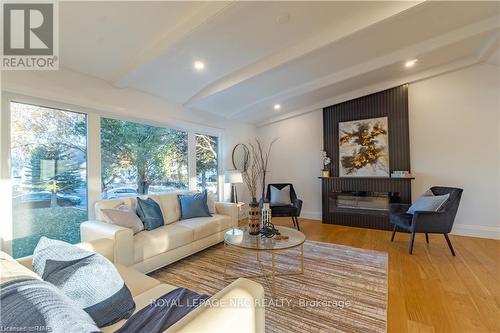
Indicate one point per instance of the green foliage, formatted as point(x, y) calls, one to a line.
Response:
point(143, 153)
point(206, 157)
point(52, 168)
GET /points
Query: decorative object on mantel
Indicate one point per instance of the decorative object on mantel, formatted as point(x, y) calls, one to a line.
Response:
point(364, 148)
point(401, 174)
point(326, 161)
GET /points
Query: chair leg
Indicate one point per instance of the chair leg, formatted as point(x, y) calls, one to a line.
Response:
point(449, 244)
point(393, 233)
point(297, 223)
point(412, 240)
point(293, 221)
point(427, 238)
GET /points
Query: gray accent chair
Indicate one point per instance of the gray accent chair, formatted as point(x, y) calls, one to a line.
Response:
point(439, 222)
point(292, 210)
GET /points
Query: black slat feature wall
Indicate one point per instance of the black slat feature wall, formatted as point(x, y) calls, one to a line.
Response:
point(391, 103)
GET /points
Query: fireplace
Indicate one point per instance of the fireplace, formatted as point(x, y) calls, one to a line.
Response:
point(362, 202)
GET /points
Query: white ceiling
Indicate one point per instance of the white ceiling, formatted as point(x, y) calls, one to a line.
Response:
point(256, 54)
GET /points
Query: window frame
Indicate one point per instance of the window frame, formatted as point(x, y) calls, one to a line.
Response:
point(220, 180)
point(93, 150)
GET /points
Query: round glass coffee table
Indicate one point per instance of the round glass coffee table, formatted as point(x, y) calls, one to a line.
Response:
point(241, 239)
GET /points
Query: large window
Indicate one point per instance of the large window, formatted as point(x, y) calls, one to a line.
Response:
point(142, 159)
point(49, 173)
point(207, 165)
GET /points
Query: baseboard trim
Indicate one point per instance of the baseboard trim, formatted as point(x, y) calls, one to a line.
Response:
point(470, 230)
point(480, 231)
point(311, 215)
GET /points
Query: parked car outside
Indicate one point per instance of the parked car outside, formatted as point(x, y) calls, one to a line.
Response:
point(120, 192)
point(42, 199)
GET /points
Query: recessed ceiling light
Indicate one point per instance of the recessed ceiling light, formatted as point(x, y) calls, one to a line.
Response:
point(411, 63)
point(199, 65)
point(277, 106)
point(283, 18)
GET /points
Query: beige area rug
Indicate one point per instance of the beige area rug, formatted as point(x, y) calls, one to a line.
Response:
point(343, 289)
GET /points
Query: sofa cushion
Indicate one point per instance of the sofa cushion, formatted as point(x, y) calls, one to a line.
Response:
point(165, 238)
point(194, 205)
point(137, 282)
point(206, 226)
point(169, 204)
point(10, 269)
point(150, 213)
point(87, 278)
point(211, 198)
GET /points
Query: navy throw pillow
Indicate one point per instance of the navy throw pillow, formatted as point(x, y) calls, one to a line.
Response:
point(150, 213)
point(193, 205)
point(87, 278)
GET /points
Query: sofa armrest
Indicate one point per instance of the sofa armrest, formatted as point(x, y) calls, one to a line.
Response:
point(230, 209)
point(123, 239)
point(238, 307)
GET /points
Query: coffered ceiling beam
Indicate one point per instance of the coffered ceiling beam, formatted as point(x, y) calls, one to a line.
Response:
point(190, 24)
point(410, 52)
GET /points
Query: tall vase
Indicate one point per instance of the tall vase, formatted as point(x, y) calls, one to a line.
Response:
point(254, 218)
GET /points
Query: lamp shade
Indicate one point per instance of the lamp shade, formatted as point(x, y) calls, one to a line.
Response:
point(233, 177)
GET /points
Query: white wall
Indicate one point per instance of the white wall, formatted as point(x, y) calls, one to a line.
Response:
point(455, 140)
point(295, 157)
point(454, 135)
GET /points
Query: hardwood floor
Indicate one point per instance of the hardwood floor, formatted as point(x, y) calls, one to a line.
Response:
point(429, 291)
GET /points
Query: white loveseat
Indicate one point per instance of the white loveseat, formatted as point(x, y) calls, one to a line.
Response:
point(239, 305)
point(147, 251)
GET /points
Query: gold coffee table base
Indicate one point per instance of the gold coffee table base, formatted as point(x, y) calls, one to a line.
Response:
point(269, 277)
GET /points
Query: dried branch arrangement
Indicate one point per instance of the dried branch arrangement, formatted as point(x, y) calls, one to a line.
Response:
point(260, 157)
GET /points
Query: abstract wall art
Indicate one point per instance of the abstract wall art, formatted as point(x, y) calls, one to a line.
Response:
point(364, 148)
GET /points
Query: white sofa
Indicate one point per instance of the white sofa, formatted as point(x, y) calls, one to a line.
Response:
point(220, 315)
point(147, 251)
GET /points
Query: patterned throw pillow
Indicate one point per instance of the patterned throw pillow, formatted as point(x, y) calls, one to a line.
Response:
point(149, 212)
point(87, 278)
point(124, 216)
